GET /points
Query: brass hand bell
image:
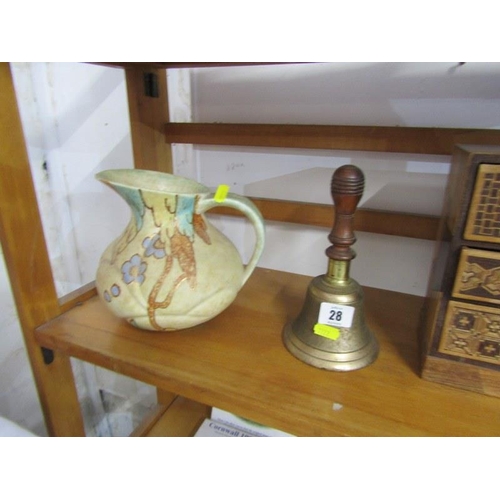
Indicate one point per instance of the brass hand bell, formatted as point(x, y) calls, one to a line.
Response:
point(330, 332)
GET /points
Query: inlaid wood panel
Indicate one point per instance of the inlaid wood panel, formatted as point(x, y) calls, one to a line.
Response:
point(472, 331)
point(478, 276)
point(483, 221)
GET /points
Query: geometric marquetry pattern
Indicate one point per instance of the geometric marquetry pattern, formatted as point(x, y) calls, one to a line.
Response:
point(472, 331)
point(483, 223)
point(478, 276)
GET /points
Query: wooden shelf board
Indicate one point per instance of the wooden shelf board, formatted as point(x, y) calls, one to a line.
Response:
point(182, 418)
point(321, 215)
point(179, 65)
point(237, 362)
point(415, 140)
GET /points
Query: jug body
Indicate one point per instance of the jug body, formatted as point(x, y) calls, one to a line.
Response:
point(171, 268)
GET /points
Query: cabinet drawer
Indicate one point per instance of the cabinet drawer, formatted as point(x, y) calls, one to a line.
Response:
point(483, 220)
point(478, 276)
point(471, 331)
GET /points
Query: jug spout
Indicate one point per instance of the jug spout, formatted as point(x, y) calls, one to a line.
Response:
point(151, 181)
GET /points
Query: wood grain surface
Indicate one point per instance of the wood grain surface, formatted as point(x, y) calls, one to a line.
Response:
point(237, 362)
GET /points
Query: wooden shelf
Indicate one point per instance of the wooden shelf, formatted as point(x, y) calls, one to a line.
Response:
point(414, 140)
point(322, 215)
point(181, 418)
point(179, 65)
point(238, 362)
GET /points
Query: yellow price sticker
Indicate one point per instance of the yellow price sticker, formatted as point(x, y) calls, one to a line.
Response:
point(330, 332)
point(221, 193)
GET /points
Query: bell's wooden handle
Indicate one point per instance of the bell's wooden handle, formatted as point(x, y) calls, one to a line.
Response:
point(348, 183)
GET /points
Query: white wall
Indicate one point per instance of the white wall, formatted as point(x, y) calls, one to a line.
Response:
point(403, 183)
point(75, 121)
point(390, 94)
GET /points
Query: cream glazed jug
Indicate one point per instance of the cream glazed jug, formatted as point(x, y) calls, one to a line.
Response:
point(171, 269)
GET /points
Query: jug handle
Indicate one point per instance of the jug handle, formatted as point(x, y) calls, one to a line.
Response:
point(249, 209)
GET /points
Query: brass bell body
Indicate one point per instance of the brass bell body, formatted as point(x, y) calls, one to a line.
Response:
point(330, 332)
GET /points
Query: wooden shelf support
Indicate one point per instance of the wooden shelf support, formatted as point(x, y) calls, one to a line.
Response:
point(416, 140)
point(29, 269)
point(148, 109)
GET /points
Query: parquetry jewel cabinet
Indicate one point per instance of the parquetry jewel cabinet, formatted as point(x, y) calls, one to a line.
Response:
point(461, 321)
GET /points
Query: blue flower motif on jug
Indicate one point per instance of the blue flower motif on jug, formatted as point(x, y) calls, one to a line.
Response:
point(154, 247)
point(115, 292)
point(133, 270)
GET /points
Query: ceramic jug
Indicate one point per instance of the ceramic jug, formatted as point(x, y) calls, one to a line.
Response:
point(171, 268)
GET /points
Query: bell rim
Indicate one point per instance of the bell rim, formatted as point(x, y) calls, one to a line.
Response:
point(329, 360)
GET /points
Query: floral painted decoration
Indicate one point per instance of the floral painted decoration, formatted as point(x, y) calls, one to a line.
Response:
point(133, 270)
point(154, 247)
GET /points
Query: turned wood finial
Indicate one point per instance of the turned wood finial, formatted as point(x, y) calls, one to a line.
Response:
point(348, 183)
